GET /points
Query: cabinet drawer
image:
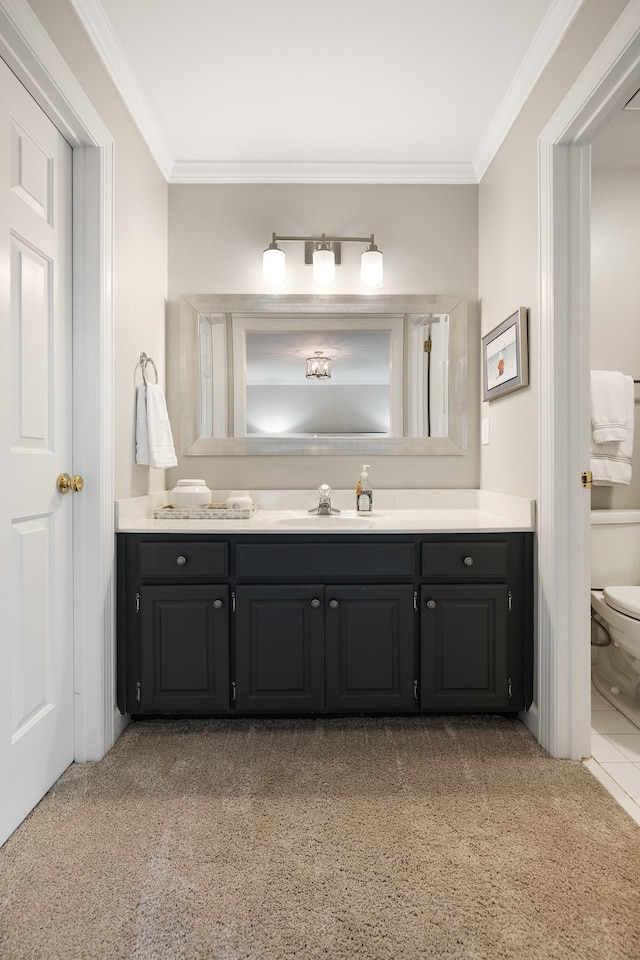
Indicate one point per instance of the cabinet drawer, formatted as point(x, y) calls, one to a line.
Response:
point(465, 560)
point(187, 560)
point(259, 561)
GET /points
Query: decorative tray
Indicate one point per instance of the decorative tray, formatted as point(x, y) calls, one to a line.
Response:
point(214, 511)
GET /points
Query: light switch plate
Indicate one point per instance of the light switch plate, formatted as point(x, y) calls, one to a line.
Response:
point(485, 431)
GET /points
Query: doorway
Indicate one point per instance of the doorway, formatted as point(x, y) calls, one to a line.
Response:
point(564, 666)
point(30, 55)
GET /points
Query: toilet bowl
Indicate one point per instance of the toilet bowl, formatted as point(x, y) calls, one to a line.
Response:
point(615, 607)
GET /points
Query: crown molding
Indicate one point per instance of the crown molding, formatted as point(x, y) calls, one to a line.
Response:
point(188, 171)
point(547, 40)
point(97, 26)
point(551, 32)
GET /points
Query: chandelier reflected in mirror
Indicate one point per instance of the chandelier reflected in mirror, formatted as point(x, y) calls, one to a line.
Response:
point(318, 367)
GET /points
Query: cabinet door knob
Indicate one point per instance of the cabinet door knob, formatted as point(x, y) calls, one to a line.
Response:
point(431, 604)
point(468, 561)
point(315, 603)
point(217, 604)
point(181, 560)
point(333, 604)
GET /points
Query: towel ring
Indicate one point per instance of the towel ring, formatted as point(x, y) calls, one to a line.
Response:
point(144, 361)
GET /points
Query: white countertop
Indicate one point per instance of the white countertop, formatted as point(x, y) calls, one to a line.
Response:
point(395, 511)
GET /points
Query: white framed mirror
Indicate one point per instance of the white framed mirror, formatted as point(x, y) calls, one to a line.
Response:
point(397, 383)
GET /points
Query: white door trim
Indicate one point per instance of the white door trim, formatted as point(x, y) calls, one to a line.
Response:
point(30, 53)
point(562, 721)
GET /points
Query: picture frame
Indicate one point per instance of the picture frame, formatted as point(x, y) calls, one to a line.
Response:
point(505, 356)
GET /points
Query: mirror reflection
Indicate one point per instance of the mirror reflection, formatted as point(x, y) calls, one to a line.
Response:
point(331, 382)
point(339, 374)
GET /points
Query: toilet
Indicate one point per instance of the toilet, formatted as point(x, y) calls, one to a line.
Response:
point(615, 608)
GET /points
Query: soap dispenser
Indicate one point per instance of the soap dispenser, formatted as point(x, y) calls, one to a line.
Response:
point(364, 493)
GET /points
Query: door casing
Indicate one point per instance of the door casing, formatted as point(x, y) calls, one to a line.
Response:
point(560, 717)
point(29, 52)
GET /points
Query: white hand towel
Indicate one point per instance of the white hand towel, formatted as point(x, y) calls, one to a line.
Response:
point(154, 441)
point(142, 439)
point(611, 461)
point(607, 406)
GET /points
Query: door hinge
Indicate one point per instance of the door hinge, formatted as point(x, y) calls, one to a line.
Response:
point(510, 688)
point(587, 479)
point(233, 691)
point(415, 599)
point(415, 689)
point(233, 603)
point(137, 603)
point(427, 346)
point(509, 601)
point(138, 691)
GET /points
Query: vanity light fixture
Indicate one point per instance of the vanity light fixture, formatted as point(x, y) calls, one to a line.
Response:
point(324, 253)
point(318, 367)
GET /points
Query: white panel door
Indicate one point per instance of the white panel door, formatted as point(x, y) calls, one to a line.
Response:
point(36, 562)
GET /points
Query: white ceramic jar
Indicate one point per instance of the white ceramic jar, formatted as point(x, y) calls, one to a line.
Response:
point(239, 500)
point(190, 493)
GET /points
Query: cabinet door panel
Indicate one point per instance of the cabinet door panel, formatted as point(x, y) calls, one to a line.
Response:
point(370, 648)
point(280, 649)
point(464, 648)
point(184, 649)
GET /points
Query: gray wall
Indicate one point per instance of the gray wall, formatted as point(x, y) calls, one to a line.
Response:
point(429, 238)
point(140, 254)
point(508, 244)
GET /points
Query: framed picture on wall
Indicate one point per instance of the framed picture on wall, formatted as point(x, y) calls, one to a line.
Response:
point(505, 357)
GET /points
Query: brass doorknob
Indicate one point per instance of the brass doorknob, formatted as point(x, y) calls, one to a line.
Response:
point(67, 484)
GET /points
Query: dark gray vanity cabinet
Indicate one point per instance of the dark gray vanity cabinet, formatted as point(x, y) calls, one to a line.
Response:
point(279, 649)
point(324, 623)
point(173, 626)
point(311, 648)
point(330, 645)
point(464, 648)
point(370, 649)
point(184, 659)
point(476, 624)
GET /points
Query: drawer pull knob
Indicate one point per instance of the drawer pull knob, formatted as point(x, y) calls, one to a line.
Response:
point(431, 604)
point(217, 604)
point(333, 604)
point(315, 603)
point(181, 560)
point(468, 561)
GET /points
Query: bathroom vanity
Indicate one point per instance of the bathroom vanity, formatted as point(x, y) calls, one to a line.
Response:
point(265, 618)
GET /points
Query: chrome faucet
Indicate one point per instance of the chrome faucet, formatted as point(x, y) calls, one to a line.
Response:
point(324, 507)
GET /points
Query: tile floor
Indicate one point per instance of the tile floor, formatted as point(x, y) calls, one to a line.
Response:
point(615, 754)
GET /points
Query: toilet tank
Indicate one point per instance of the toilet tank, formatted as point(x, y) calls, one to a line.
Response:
point(615, 548)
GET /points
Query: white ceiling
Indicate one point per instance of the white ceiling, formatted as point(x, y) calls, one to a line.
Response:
point(351, 91)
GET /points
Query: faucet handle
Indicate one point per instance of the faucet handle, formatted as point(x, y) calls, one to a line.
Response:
point(324, 488)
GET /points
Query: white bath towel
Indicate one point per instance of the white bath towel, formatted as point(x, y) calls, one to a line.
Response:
point(607, 406)
point(611, 461)
point(154, 441)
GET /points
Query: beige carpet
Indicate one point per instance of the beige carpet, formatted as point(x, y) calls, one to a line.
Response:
point(390, 839)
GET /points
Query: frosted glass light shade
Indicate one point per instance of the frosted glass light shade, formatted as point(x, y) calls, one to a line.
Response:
point(324, 267)
point(273, 265)
point(371, 269)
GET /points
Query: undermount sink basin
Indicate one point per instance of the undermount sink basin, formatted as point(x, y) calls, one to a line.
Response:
point(314, 521)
